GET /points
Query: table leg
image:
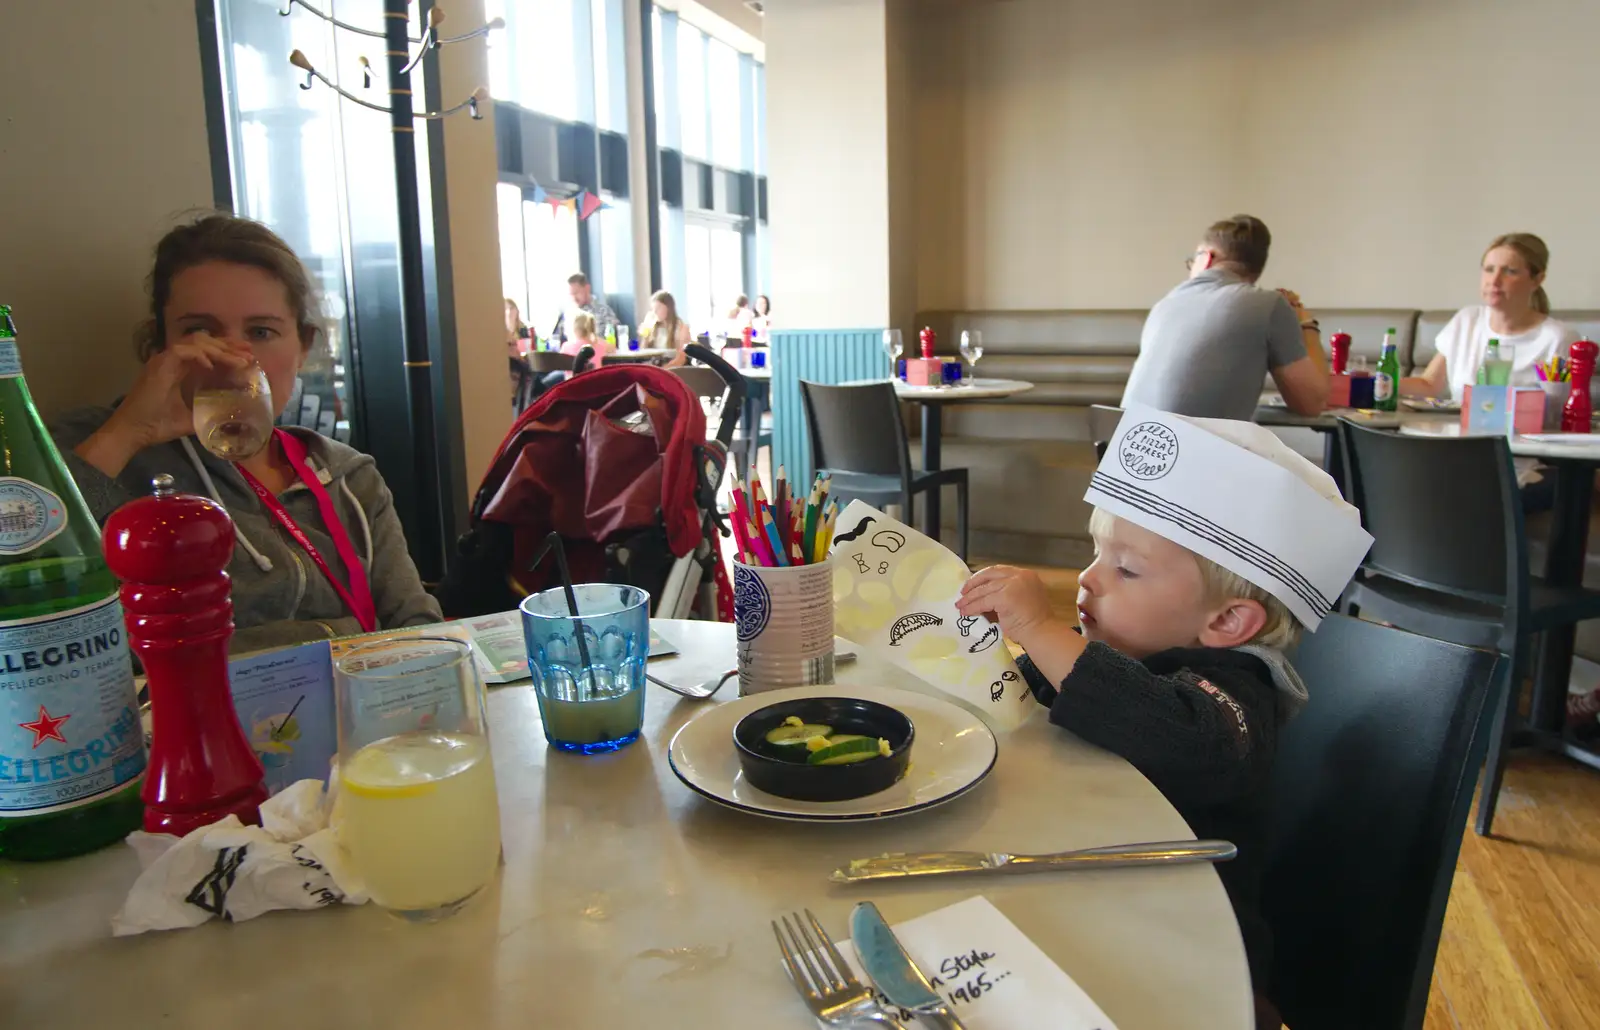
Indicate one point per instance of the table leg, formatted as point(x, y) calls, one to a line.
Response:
point(1563, 567)
point(750, 420)
point(932, 433)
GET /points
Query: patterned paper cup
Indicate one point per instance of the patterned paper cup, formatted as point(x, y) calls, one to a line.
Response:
point(784, 618)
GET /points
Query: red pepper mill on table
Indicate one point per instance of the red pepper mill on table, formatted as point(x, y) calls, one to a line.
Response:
point(169, 550)
point(1580, 406)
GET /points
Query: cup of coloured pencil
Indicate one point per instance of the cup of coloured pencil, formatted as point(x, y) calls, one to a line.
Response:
point(783, 585)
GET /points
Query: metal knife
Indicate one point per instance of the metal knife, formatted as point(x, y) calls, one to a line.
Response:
point(941, 863)
point(892, 970)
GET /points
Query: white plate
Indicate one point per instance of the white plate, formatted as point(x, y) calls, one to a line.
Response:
point(952, 753)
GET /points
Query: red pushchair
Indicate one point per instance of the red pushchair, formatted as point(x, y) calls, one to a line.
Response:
point(616, 461)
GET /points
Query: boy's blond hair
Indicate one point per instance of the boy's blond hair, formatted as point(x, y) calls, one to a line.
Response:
point(1281, 630)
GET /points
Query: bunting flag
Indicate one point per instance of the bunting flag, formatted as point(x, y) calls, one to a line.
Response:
point(584, 204)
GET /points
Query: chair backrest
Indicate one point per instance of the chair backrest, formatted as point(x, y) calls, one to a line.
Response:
point(856, 429)
point(1103, 422)
point(1370, 792)
point(547, 361)
point(1443, 513)
point(705, 382)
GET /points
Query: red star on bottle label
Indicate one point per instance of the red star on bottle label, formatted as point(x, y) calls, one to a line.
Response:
point(45, 727)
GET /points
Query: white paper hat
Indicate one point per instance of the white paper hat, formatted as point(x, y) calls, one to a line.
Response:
point(1236, 494)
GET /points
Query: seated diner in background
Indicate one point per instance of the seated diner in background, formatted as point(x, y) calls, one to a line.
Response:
point(664, 330)
point(762, 322)
point(1208, 345)
point(226, 292)
point(1515, 311)
point(584, 335)
point(583, 299)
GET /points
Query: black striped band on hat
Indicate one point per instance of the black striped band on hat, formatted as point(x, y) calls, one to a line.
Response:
point(1199, 526)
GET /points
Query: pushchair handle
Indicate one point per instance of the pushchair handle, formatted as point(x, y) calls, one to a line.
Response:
point(734, 403)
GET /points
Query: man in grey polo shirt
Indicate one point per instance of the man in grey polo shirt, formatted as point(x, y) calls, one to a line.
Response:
point(1208, 345)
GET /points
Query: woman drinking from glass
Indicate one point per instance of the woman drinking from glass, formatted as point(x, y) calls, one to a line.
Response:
point(319, 551)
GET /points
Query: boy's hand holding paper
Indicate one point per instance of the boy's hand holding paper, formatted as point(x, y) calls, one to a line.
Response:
point(895, 593)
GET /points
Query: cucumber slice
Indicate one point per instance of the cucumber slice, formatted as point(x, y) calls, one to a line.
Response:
point(843, 753)
point(796, 732)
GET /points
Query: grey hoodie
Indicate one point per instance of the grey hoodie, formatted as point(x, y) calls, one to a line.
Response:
point(279, 597)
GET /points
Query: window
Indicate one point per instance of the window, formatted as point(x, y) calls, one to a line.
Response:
point(727, 270)
point(513, 256)
point(541, 35)
point(550, 241)
point(538, 250)
point(696, 303)
point(726, 106)
point(616, 249)
point(693, 106)
point(289, 168)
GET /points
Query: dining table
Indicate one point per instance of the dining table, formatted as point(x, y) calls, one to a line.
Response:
point(933, 400)
point(626, 899)
point(1572, 460)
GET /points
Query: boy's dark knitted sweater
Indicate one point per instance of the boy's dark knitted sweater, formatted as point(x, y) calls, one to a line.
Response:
point(1202, 725)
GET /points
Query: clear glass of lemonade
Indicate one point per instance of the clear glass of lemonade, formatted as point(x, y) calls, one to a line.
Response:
point(597, 705)
point(416, 806)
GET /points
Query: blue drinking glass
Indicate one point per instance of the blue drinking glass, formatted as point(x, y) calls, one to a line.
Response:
point(758, 359)
point(598, 707)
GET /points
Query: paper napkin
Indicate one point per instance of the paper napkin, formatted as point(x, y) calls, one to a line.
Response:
point(990, 974)
point(894, 594)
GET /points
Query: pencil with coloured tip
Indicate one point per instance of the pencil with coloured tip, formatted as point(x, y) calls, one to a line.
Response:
point(808, 532)
point(795, 555)
point(825, 534)
point(780, 512)
point(779, 552)
point(760, 551)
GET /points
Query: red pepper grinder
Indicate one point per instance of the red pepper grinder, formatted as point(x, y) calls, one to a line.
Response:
point(1575, 416)
point(1339, 344)
point(169, 550)
point(927, 339)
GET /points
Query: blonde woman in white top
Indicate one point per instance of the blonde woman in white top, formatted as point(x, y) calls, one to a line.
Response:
point(1515, 311)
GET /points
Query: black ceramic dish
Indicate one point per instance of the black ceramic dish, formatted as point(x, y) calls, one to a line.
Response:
point(767, 770)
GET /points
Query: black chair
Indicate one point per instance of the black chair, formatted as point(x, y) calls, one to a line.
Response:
point(1450, 559)
point(1103, 422)
point(858, 436)
point(1369, 800)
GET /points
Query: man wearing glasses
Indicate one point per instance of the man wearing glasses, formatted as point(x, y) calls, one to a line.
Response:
point(1208, 345)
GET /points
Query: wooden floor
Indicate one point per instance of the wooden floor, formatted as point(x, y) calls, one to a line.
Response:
point(1521, 942)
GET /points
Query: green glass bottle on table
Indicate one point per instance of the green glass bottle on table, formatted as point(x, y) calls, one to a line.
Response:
point(1495, 370)
point(1386, 384)
point(71, 745)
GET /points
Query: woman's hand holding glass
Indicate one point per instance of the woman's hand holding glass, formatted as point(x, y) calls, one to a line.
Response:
point(157, 409)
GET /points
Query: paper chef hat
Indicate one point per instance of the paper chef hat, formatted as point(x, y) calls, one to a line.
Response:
point(1236, 494)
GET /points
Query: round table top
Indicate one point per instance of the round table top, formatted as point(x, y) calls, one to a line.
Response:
point(627, 900)
point(1581, 447)
point(642, 354)
point(977, 389)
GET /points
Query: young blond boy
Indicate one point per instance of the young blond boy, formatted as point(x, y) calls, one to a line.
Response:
point(1179, 665)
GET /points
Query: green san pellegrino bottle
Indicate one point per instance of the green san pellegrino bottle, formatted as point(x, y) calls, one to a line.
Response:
point(71, 745)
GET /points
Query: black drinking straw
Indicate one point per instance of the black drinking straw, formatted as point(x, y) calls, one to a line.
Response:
point(553, 542)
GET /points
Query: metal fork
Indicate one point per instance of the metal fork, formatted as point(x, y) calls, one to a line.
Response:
point(829, 988)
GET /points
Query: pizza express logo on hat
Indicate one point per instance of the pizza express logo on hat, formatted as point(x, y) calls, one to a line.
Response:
point(1148, 450)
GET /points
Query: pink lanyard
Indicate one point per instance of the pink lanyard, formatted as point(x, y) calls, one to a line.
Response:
point(358, 596)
